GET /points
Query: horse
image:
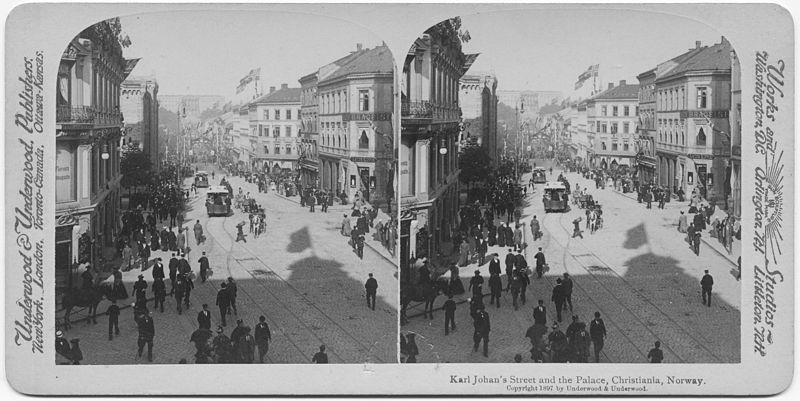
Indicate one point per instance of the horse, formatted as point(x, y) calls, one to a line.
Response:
point(426, 292)
point(85, 297)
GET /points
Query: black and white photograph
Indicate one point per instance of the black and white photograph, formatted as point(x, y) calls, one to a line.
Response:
point(226, 195)
point(569, 194)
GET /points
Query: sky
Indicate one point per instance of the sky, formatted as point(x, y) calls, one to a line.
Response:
point(207, 53)
point(547, 50)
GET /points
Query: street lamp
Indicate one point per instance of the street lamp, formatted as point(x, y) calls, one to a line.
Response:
point(105, 154)
point(443, 150)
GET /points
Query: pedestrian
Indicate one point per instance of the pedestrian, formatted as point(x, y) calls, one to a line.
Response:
point(482, 249)
point(558, 345)
point(510, 259)
point(263, 337)
point(204, 267)
point(240, 233)
point(223, 302)
point(147, 333)
point(706, 283)
point(597, 331)
point(139, 288)
point(181, 240)
point(183, 265)
point(372, 289)
point(515, 287)
point(312, 200)
point(449, 315)
point(113, 319)
point(159, 293)
point(494, 265)
point(245, 346)
point(204, 318)
point(540, 263)
point(558, 298)
point(683, 223)
point(198, 233)
point(87, 280)
point(173, 273)
point(360, 244)
point(321, 356)
point(496, 288)
point(524, 281)
point(127, 258)
point(567, 283)
point(180, 292)
point(232, 293)
point(576, 227)
point(463, 253)
point(540, 314)
point(475, 284)
point(696, 242)
point(656, 355)
point(482, 328)
point(158, 269)
point(518, 238)
point(222, 346)
point(411, 348)
point(535, 229)
point(346, 229)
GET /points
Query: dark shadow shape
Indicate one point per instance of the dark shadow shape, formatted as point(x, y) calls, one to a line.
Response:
point(635, 237)
point(299, 241)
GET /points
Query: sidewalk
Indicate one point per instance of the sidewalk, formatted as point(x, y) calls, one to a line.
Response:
point(709, 241)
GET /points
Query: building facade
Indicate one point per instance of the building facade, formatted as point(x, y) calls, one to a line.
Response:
point(88, 132)
point(273, 130)
point(612, 118)
point(646, 153)
point(355, 108)
point(735, 200)
point(693, 102)
point(309, 131)
point(478, 101)
point(139, 107)
point(429, 186)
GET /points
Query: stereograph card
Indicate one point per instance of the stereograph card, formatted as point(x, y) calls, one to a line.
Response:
point(418, 196)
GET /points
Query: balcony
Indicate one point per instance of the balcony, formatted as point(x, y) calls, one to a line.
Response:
point(426, 110)
point(417, 110)
point(86, 115)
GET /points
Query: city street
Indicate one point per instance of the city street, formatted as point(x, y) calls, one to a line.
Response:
point(302, 275)
point(637, 271)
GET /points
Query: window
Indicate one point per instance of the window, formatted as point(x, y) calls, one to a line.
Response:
point(277, 114)
point(626, 127)
point(288, 131)
point(625, 147)
point(604, 111)
point(614, 146)
point(615, 111)
point(614, 128)
point(266, 114)
point(277, 149)
point(363, 141)
point(626, 111)
point(276, 132)
point(603, 145)
point(266, 149)
point(363, 100)
point(598, 126)
point(289, 114)
point(603, 128)
point(637, 110)
point(702, 95)
point(288, 149)
point(701, 137)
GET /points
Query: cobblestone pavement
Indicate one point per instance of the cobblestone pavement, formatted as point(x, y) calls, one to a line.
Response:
point(301, 275)
point(637, 271)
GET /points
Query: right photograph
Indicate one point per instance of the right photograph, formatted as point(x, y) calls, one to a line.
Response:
point(570, 190)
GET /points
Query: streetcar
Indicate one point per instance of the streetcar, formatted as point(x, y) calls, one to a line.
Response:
point(218, 201)
point(201, 179)
point(539, 175)
point(555, 197)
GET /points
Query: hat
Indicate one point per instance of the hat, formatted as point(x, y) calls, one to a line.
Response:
point(558, 281)
point(141, 276)
point(220, 329)
point(555, 326)
point(59, 334)
point(477, 272)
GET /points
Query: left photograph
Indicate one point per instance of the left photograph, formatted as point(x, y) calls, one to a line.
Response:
point(225, 192)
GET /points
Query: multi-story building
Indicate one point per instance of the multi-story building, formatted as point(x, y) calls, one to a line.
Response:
point(88, 132)
point(646, 131)
point(273, 130)
point(693, 101)
point(735, 200)
point(355, 108)
point(478, 101)
point(191, 105)
point(429, 188)
point(309, 131)
point(612, 117)
point(139, 106)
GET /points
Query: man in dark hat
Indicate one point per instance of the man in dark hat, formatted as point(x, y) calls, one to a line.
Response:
point(597, 331)
point(540, 314)
point(476, 284)
point(147, 332)
point(482, 328)
point(223, 302)
point(372, 289)
point(173, 272)
point(158, 269)
point(204, 266)
point(706, 283)
point(204, 318)
point(232, 293)
point(540, 263)
point(159, 293)
point(510, 259)
point(263, 337)
point(321, 356)
point(222, 346)
point(139, 289)
point(113, 319)
point(558, 298)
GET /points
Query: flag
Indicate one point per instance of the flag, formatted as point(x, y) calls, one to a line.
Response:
point(250, 77)
point(590, 72)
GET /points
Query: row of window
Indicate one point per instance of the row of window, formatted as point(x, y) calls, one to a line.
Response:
point(603, 127)
point(336, 102)
point(614, 146)
point(339, 140)
point(288, 149)
point(277, 114)
point(615, 110)
point(276, 131)
point(675, 98)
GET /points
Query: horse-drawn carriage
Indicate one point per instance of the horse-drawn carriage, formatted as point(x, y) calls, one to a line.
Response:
point(584, 201)
point(249, 205)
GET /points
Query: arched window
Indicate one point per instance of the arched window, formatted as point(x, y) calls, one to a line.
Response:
point(701, 137)
point(363, 141)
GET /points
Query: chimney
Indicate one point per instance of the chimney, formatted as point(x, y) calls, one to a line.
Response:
point(271, 89)
point(284, 86)
point(621, 82)
point(359, 46)
point(610, 85)
point(697, 44)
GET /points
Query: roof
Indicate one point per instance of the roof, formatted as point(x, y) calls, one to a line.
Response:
point(619, 92)
point(716, 57)
point(376, 60)
point(213, 189)
point(469, 59)
point(280, 96)
point(554, 185)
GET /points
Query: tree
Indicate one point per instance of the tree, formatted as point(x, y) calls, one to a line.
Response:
point(134, 165)
point(474, 163)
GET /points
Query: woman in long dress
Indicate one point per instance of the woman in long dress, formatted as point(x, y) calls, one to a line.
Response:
point(463, 254)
